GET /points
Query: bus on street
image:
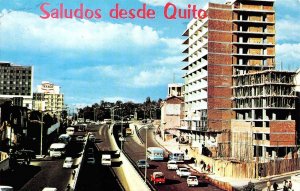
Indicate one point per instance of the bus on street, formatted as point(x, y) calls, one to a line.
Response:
point(155, 153)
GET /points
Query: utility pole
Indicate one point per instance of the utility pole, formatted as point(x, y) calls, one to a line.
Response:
point(146, 128)
point(42, 126)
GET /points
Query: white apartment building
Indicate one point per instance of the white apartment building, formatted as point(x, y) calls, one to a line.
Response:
point(195, 78)
point(48, 97)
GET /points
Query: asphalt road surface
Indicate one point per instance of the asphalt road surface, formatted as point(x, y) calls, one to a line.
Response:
point(136, 150)
point(95, 176)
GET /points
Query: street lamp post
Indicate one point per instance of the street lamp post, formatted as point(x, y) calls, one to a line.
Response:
point(121, 139)
point(94, 114)
point(146, 128)
point(42, 127)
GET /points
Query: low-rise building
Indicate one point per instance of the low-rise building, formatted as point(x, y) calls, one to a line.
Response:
point(171, 115)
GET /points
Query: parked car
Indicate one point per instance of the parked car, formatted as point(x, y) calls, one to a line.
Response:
point(90, 150)
point(68, 163)
point(158, 177)
point(192, 181)
point(172, 165)
point(90, 160)
point(183, 172)
point(142, 163)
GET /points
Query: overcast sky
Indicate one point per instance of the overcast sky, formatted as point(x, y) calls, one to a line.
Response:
point(109, 59)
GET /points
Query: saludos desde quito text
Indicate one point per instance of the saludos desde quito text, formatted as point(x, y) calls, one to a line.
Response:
point(171, 11)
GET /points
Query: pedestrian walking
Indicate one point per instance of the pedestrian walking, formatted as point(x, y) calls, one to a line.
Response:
point(290, 185)
point(275, 186)
point(186, 151)
point(195, 162)
point(73, 173)
point(203, 167)
point(269, 185)
point(208, 168)
point(285, 186)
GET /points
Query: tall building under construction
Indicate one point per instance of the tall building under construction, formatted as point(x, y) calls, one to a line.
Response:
point(236, 104)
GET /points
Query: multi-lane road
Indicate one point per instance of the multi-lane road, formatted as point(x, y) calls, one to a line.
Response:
point(136, 150)
point(49, 172)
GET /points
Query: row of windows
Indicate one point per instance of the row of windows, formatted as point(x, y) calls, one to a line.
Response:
point(24, 71)
point(14, 93)
point(15, 77)
point(15, 88)
point(17, 84)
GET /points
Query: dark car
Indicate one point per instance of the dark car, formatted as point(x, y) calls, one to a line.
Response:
point(22, 156)
point(203, 181)
point(142, 163)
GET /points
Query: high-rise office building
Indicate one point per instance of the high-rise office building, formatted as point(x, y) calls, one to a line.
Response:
point(16, 83)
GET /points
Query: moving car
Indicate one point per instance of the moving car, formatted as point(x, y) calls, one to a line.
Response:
point(192, 181)
point(90, 160)
point(158, 177)
point(6, 188)
point(57, 149)
point(64, 138)
point(49, 189)
point(68, 163)
point(172, 165)
point(183, 172)
point(90, 150)
point(92, 138)
point(142, 163)
point(106, 160)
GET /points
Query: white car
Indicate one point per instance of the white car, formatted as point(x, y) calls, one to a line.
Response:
point(106, 160)
point(68, 163)
point(90, 160)
point(49, 189)
point(183, 172)
point(6, 188)
point(172, 165)
point(192, 181)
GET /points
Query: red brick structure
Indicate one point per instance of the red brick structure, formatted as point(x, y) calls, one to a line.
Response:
point(234, 46)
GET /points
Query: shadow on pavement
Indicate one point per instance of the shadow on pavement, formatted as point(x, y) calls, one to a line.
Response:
point(18, 177)
point(116, 164)
point(171, 181)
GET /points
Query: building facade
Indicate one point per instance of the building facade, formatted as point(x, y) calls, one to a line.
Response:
point(234, 43)
point(48, 98)
point(171, 115)
point(175, 89)
point(264, 124)
point(16, 83)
